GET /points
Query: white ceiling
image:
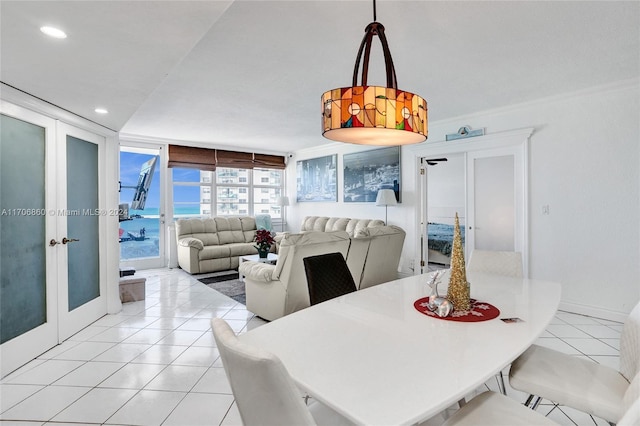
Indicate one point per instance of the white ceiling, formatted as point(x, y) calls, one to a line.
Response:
point(249, 74)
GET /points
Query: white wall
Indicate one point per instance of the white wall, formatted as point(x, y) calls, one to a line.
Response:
point(584, 163)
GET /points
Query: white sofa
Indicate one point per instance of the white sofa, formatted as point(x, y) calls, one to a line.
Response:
point(277, 290)
point(375, 250)
point(274, 291)
point(214, 244)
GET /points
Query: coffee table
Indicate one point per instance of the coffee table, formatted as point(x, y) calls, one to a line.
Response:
point(271, 258)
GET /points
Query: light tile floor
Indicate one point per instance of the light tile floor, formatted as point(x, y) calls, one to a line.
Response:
point(155, 363)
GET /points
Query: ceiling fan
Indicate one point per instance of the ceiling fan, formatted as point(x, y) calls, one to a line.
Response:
point(435, 161)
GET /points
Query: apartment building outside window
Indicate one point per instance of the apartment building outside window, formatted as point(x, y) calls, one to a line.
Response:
point(227, 192)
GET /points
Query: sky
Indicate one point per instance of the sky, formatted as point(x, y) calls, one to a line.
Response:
point(130, 165)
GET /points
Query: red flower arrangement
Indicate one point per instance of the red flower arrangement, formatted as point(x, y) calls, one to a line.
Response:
point(264, 240)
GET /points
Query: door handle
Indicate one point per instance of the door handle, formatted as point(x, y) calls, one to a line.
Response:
point(66, 240)
point(53, 242)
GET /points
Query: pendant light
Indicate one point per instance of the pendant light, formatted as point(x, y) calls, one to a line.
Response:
point(374, 115)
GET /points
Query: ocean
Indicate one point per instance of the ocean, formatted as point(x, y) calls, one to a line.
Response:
point(149, 225)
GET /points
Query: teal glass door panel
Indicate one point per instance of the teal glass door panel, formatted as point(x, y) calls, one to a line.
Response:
point(83, 222)
point(22, 228)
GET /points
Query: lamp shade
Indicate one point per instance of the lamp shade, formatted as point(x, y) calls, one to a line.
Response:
point(282, 200)
point(386, 197)
point(374, 115)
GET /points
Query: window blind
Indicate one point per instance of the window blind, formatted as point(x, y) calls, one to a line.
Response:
point(209, 159)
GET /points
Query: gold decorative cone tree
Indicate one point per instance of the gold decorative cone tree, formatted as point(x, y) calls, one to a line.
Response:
point(458, 292)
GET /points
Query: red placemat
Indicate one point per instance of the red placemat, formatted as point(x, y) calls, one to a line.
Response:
point(480, 311)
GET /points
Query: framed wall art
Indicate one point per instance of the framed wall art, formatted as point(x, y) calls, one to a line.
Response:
point(367, 172)
point(316, 179)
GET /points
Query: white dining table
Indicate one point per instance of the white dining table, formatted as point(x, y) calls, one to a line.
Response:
point(372, 357)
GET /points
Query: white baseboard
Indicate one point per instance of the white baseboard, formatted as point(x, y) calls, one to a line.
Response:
point(593, 311)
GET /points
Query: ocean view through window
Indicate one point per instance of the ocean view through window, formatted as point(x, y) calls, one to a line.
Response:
point(195, 193)
point(139, 232)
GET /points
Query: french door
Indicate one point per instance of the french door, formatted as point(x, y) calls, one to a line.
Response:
point(52, 215)
point(81, 274)
point(142, 226)
point(494, 200)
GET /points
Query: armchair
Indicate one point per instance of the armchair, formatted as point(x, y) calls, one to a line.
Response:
point(274, 291)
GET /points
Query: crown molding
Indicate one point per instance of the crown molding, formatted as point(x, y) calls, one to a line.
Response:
point(621, 85)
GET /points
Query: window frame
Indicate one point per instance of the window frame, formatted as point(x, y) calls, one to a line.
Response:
point(250, 186)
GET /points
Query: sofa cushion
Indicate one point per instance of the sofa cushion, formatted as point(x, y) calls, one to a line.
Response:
point(315, 223)
point(249, 226)
point(202, 229)
point(258, 271)
point(191, 242)
point(307, 223)
point(214, 252)
point(229, 230)
point(356, 225)
point(337, 224)
point(242, 249)
point(195, 226)
point(375, 231)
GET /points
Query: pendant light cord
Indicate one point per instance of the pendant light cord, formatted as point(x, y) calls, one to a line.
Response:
point(374, 11)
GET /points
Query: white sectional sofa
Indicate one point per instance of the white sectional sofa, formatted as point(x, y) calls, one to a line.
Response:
point(274, 291)
point(371, 249)
point(214, 244)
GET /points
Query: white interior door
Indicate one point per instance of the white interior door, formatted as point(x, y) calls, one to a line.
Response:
point(81, 280)
point(495, 201)
point(28, 264)
point(52, 216)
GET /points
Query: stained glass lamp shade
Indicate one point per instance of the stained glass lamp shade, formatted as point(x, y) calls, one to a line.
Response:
point(374, 115)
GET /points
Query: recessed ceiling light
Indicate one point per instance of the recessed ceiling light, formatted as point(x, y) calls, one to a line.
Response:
point(101, 111)
point(53, 32)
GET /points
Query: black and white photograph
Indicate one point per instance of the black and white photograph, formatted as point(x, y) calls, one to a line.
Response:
point(317, 179)
point(367, 172)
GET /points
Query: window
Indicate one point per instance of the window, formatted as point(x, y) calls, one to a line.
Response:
point(226, 192)
point(192, 191)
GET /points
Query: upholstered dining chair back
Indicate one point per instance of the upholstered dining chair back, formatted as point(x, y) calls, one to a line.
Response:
point(630, 344)
point(580, 383)
point(631, 404)
point(264, 392)
point(506, 263)
point(328, 276)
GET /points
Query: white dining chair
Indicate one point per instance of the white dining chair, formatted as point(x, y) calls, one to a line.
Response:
point(491, 408)
point(576, 382)
point(263, 389)
point(631, 404)
point(506, 263)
